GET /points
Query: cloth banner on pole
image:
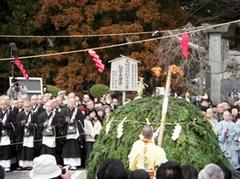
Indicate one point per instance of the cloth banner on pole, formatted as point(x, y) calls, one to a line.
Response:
point(19, 64)
point(98, 62)
point(184, 43)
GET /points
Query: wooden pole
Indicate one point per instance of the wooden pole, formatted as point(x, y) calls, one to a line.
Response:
point(165, 107)
point(201, 77)
point(123, 97)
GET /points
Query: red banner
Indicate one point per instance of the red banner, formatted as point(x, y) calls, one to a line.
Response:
point(19, 64)
point(98, 62)
point(185, 45)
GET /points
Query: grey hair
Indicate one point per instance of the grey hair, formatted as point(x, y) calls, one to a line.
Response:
point(211, 171)
point(202, 175)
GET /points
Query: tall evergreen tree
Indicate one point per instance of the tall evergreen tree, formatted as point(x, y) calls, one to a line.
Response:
point(76, 72)
point(14, 19)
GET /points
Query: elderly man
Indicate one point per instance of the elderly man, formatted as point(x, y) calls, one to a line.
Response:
point(47, 123)
point(85, 99)
point(6, 131)
point(210, 118)
point(145, 154)
point(72, 128)
point(211, 171)
point(37, 108)
point(20, 105)
point(27, 134)
point(220, 111)
point(226, 136)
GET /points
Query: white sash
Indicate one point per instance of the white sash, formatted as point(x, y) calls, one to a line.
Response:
point(51, 119)
point(29, 117)
point(28, 142)
point(74, 114)
point(35, 109)
point(4, 117)
point(49, 141)
point(5, 140)
point(73, 136)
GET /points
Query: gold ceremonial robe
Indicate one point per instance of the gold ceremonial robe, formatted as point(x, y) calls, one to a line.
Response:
point(146, 155)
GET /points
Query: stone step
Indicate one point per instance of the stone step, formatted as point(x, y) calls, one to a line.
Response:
point(78, 174)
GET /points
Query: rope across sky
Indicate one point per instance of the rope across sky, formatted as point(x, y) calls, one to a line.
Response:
point(96, 35)
point(123, 44)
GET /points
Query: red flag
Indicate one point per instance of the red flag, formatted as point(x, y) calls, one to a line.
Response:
point(19, 64)
point(98, 62)
point(185, 45)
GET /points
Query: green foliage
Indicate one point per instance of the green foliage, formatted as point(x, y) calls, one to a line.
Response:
point(98, 90)
point(196, 145)
point(15, 17)
point(53, 89)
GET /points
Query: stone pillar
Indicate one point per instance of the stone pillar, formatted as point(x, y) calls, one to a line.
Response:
point(215, 61)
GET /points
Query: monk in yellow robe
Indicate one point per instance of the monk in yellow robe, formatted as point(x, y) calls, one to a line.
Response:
point(145, 154)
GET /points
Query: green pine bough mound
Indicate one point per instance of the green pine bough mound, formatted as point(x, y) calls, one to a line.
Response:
point(196, 145)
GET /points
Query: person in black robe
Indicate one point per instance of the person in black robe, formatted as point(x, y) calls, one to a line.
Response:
point(37, 109)
point(48, 129)
point(71, 124)
point(57, 106)
point(13, 111)
point(26, 136)
point(6, 131)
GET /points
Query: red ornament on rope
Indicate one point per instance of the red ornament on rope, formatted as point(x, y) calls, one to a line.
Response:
point(19, 64)
point(185, 45)
point(98, 62)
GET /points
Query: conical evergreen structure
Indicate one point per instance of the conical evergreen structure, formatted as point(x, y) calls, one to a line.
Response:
point(197, 144)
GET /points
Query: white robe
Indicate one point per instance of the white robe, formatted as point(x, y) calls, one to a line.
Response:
point(227, 141)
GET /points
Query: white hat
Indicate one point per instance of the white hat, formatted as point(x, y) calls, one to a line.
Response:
point(45, 166)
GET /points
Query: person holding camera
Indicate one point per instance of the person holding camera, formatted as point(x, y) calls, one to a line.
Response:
point(16, 91)
point(45, 167)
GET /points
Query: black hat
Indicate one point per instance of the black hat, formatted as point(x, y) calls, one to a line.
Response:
point(14, 80)
point(92, 110)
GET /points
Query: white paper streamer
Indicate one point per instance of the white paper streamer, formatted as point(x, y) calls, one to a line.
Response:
point(120, 128)
point(108, 125)
point(176, 132)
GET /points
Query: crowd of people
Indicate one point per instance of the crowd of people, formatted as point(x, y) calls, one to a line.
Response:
point(146, 161)
point(114, 169)
point(225, 121)
point(63, 126)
